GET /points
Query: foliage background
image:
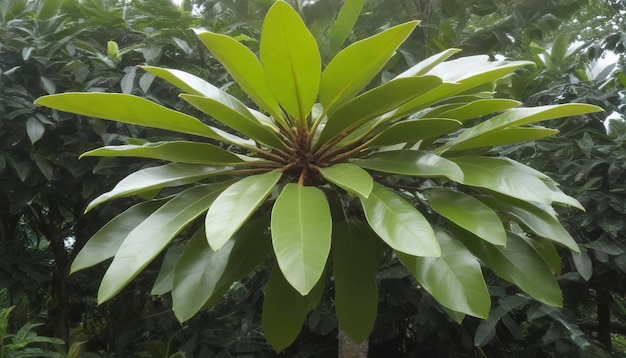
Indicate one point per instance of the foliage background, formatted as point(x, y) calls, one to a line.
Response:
point(58, 46)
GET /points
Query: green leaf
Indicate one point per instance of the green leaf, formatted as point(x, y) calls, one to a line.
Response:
point(233, 206)
point(455, 279)
point(150, 237)
point(128, 109)
point(535, 218)
point(469, 213)
point(411, 162)
point(244, 67)
point(35, 130)
point(487, 329)
point(583, 264)
point(341, 28)
point(301, 235)
point(355, 264)
point(165, 279)
point(290, 59)
point(354, 67)
point(176, 151)
point(284, 310)
point(350, 178)
point(479, 108)
point(521, 116)
point(415, 130)
point(518, 263)
point(374, 103)
point(151, 179)
point(502, 176)
point(399, 224)
point(106, 241)
point(228, 110)
point(506, 136)
point(203, 275)
point(426, 65)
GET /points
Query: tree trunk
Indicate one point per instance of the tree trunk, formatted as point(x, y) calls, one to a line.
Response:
point(347, 348)
point(604, 317)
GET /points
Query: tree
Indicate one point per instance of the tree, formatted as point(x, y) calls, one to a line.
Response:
point(349, 170)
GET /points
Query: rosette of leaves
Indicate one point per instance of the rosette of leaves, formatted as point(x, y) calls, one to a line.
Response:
point(328, 175)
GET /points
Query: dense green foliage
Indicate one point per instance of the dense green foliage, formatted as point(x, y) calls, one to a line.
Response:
point(48, 188)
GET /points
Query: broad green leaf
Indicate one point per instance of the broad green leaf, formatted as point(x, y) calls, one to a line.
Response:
point(203, 275)
point(244, 67)
point(445, 90)
point(521, 116)
point(341, 28)
point(469, 213)
point(233, 206)
point(583, 264)
point(487, 329)
point(518, 263)
point(355, 264)
point(473, 71)
point(177, 151)
point(501, 176)
point(354, 67)
point(196, 275)
point(301, 235)
point(35, 130)
point(375, 102)
point(290, 59)
point(106, 241)
point(534, 218)
point(455, 279)
point(479, 108)
point(506, 136)
point(426, 65)
point(150, 237)
point(128, 109)
point(548, 252)
point(165, 279)
point(412, 162)
point(414, 130)
point(228, 110)
point(150, 179)
point(350, 178)
point(399, 224)
point(252, 245)
point(284, 310)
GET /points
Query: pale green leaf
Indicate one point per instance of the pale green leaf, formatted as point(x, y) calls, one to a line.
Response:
point(535, 218)
point(350, 178)
point(284, 310)
point(231, 112)
point(244, 67)
point(165, 279)
point(414, 130)
point(150, 237)
point(399, 224)
point(106, 241)
point(469, 213)
point(128, 109)
point(355, 264)
point(375, 102)
point(176, 151)
point(290, 59)
point(426, 65)
point(301, 235)
point(518, 263)
point(412, 162)
point(203, 275)
point(479, 108)
point(233, 206)
point(341, 28)
point(151, 179)
point(35, 130)
point(354, 67)
point(506, 136)
point(521, 116)
point(455, 279)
